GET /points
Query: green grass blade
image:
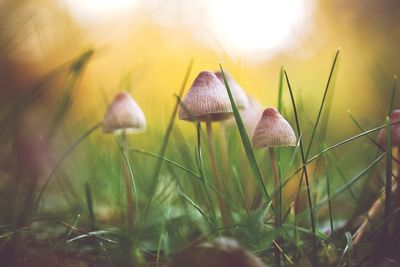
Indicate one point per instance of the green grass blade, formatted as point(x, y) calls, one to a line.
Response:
point(197, 207)
point(121, 141)
point(350, 249)
point(345, 141)
point(89, 203)
point(167, 135)
point(332, 147)
point(70, 149)
point(245, 140)
point(352, 181)
point(304, 168)
point(44, 85)
point(322, 103)
point(280, 91)
point(392, 97)
point(388, 185)
point(202, 174)
point(154, 155)
point(359, 126)
point(328, 191)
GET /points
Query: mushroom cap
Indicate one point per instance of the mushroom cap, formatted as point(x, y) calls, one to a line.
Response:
point(273, 131)
point(238, 93)
point(221, 252)
point(124, 114)
point(394, 130)
point(206, 100)
point(250, 116)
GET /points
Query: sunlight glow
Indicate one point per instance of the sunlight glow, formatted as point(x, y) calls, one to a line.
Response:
point(89, 11)
point(240, 27)
point(256, 25)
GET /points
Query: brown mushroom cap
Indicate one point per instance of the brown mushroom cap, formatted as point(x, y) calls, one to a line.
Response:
point(273, 131)
point(238, 93)
point(394, 131)
point(124, 114)
point(206, 100)
point(222, 252)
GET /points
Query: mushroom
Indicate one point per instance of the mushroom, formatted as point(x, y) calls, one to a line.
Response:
point(221, 252)
point(207, 101)
point(250, 116)
point(274, 131)
point(241, 99)
point(125, 116)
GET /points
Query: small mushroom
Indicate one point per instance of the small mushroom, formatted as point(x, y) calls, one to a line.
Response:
point(274, 131)
point(207, 101)
point(240, 97)
point(125, 116)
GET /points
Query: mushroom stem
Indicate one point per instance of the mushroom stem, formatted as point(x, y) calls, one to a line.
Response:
point(397, 220)
point(128, 187)
point(217, 179)
point(276, 203)
point(398, 173)
point(224, 149)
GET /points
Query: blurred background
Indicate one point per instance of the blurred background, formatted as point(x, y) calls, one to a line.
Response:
point(148, 44)
point(62, 61)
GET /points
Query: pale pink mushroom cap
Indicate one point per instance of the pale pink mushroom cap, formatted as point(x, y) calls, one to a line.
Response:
point(124, 114)
point(206, 100)
point(250, 116)
point(273, 131)
point(237, 91)
point(394, 130)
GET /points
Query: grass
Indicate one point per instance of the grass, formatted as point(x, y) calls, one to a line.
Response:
point(75, 209)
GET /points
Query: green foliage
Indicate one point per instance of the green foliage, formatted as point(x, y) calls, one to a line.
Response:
point(79, 206)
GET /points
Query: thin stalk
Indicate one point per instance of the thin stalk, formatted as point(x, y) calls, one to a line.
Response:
point(57, 164)
point(328, 190)
point(388, 187)
point(224, 149)
point(89, 202)
point(128, 187)
point(217, 179)
point(398, 188)
point(171, 123)
point(392, 97)
point(322, 103)
point(202, 173)
point(303, 158)
point(245, 140)
point(276, 203)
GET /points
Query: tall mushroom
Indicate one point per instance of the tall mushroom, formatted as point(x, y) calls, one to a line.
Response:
point(274, 131)
point(125, 116)
point(207, 101)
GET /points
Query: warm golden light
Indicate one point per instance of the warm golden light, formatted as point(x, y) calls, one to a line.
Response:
point(256, 26)
point(244, 28)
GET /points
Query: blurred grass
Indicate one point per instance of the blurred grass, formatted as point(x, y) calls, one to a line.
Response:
point(85, 215)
